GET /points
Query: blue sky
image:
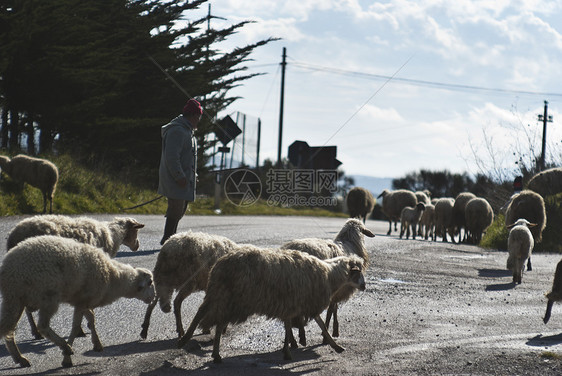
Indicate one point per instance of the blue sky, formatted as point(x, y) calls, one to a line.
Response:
point(405, 85)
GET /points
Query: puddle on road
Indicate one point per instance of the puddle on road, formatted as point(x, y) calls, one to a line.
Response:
point(463, 257)
point(392, 280)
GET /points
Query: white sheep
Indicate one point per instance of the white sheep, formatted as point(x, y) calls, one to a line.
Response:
point(555, 294)
point(409, 219)
point(106, 235)
point(37, 172)
point(281, 284)
point(184, 264)
point(427, 221)
point(360, 203)
point(530, 206)
point(547, 182)
point(519, 245)
point(423, 196)
point(459, 218)
point(444, 218)
point(45, 271)
point(478, 217)
point(349, 241)
point(393, 202)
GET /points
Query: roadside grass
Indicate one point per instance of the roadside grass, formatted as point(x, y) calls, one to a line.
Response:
point(81, 190)
point(496, 235)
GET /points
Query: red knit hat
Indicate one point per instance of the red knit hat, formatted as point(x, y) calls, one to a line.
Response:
point(192, 107)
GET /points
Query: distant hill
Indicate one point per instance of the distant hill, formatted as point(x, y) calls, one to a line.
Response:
point(373, 184)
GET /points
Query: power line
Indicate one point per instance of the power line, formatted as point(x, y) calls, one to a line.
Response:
point(409, 81)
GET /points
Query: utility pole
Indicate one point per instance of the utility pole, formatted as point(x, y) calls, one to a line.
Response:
point(258, 146)
point(283, 64)
point(544, 118)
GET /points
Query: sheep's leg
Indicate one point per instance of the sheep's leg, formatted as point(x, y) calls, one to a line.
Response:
point(146, 322)
point(529, 267)
point(198, 316)
point(298, 322)
point(336, 327)
point(76, 326)
point(302, 334)
point(389, 227)
point(11, 314)
point(45, 314)
point(89, 314)
point(288, 339)
point(34, 330)
point(15, 351)
point(44, 202)
point(548, 311)
point(327, 336)
point(180, 297)
point(216, 343)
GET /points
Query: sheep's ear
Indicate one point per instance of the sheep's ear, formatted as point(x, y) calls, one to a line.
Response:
point(510, 226)
point(532, 225)
point(135, 224)
point(367, 232)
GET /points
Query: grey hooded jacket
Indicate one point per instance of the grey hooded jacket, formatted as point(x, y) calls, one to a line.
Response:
point(178, 160)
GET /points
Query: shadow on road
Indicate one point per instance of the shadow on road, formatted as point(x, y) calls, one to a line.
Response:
point(137, 253)
point(501, 287)
point(494, 273)
point(540, 341)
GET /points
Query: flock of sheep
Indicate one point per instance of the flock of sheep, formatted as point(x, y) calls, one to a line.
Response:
point(54, 259)
point(468, 217)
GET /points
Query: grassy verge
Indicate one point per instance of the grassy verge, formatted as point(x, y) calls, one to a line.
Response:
point(81, 190)
point(496, 235)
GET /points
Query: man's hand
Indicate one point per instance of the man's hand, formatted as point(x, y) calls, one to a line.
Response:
point(182, 182)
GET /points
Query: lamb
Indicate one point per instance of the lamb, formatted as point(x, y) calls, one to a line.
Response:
point(530, 206)
point(39, 173)
point(393, 202)
point(459, 218)
point(349, 241)
point(409, 218)
point(45, 271)
point(547, 182)
point(427, 221)
point(444, 218)
point(519, 245)
point(281, 284)
point(106, 235)
point(478, 217)
point(423, 196)
point(360, 203)
point(555, 293)
point(184, 264)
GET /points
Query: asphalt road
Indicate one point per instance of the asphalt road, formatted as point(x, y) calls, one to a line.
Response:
point(429, 309)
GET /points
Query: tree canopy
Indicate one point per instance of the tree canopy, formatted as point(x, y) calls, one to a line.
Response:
point(99, 78)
